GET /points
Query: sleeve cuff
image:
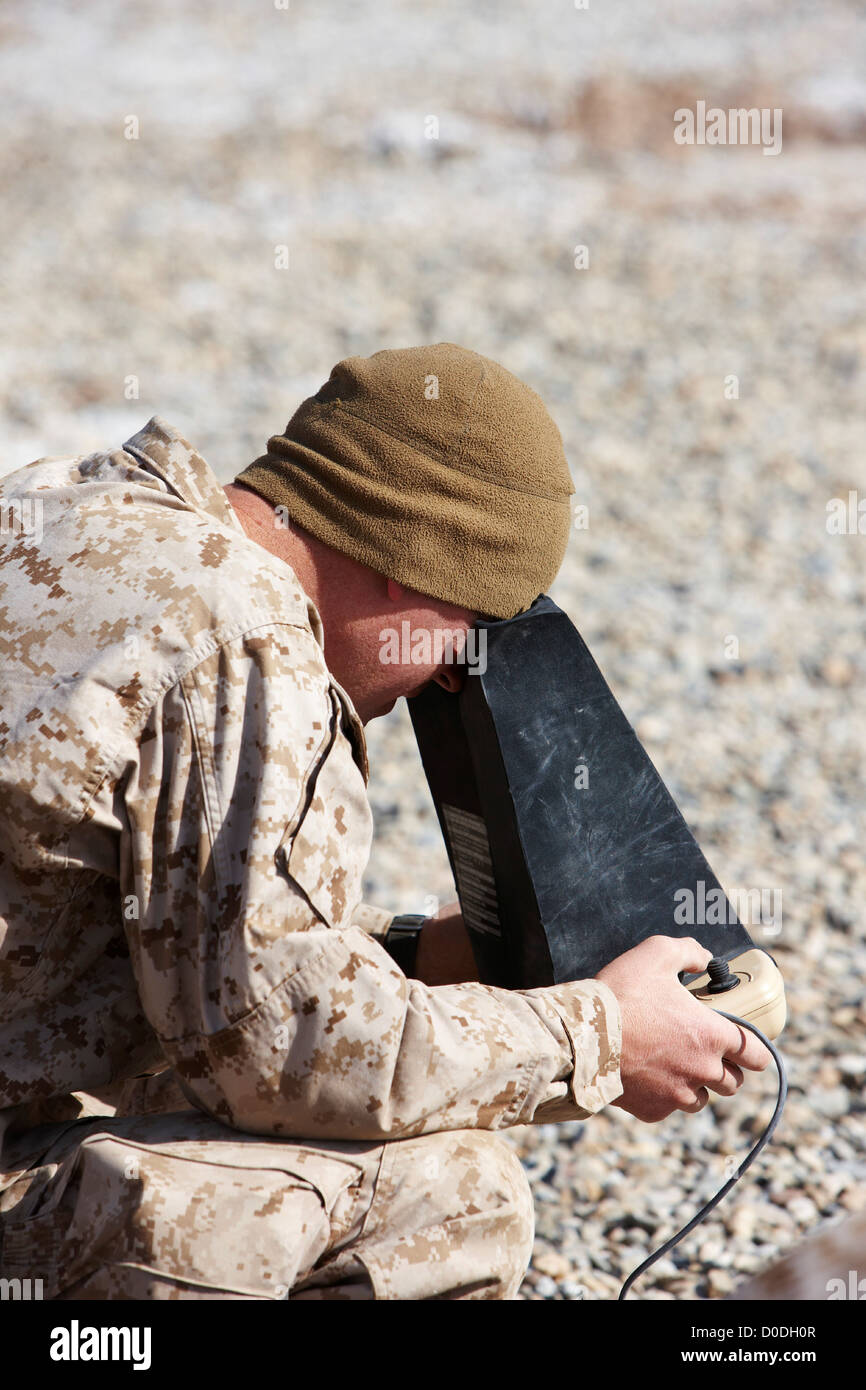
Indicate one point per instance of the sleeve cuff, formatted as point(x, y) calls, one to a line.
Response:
point(375, 921)
point(589, 1013)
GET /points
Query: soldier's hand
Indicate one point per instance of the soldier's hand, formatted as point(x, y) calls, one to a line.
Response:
point(444, 952)
point(674, 1049)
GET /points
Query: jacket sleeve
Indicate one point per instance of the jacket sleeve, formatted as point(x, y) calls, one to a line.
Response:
point(247, 830)
point(375, 920)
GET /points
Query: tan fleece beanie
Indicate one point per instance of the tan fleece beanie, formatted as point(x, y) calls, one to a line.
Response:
point(434, 466)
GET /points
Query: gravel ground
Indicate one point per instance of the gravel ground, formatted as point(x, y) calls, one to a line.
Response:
point(139, 276)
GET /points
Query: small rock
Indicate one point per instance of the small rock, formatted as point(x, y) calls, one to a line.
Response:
point(803, 1210)
point(827, 1075)
point(601, 1285)
point(553, 1265)
point(719, 1283)
point(681, 1287)
point(832, 1104)
point(743, 1221)
point(569, 1288)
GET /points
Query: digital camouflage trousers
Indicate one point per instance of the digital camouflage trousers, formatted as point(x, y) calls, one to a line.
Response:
point(177, 1206)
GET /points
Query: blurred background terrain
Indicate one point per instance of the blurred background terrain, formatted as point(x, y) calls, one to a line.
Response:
point(707, 369)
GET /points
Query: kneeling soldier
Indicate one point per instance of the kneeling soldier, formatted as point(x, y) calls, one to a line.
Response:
point(216, 1081)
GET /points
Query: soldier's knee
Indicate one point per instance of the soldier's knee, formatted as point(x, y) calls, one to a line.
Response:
point(510, 1179)
point(495, 1189)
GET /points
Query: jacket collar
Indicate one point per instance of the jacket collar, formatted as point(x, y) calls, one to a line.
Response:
point(165, 452)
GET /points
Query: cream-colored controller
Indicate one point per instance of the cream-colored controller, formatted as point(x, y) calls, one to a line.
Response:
point(750, 987)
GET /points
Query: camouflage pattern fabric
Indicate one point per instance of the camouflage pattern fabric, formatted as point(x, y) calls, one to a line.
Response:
point(184, 836)
point(178, 1206)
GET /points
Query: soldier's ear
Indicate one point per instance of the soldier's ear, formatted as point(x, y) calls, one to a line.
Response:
point(395, 591)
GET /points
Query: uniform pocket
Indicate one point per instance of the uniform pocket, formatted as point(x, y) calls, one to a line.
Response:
point(31, 1233)
point(172, 1203)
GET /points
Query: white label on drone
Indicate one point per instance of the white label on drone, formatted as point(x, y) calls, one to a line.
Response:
point(473, 869)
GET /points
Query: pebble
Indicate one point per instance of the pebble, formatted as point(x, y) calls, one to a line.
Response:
point(556, 1266)
point(742, 1222)
point(720, 1282)
point(545, 1287)
point(832, 1103)
point(572, 1290)
point(804, 1210)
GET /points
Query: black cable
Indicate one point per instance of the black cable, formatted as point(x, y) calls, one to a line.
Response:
point(750, 1157)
